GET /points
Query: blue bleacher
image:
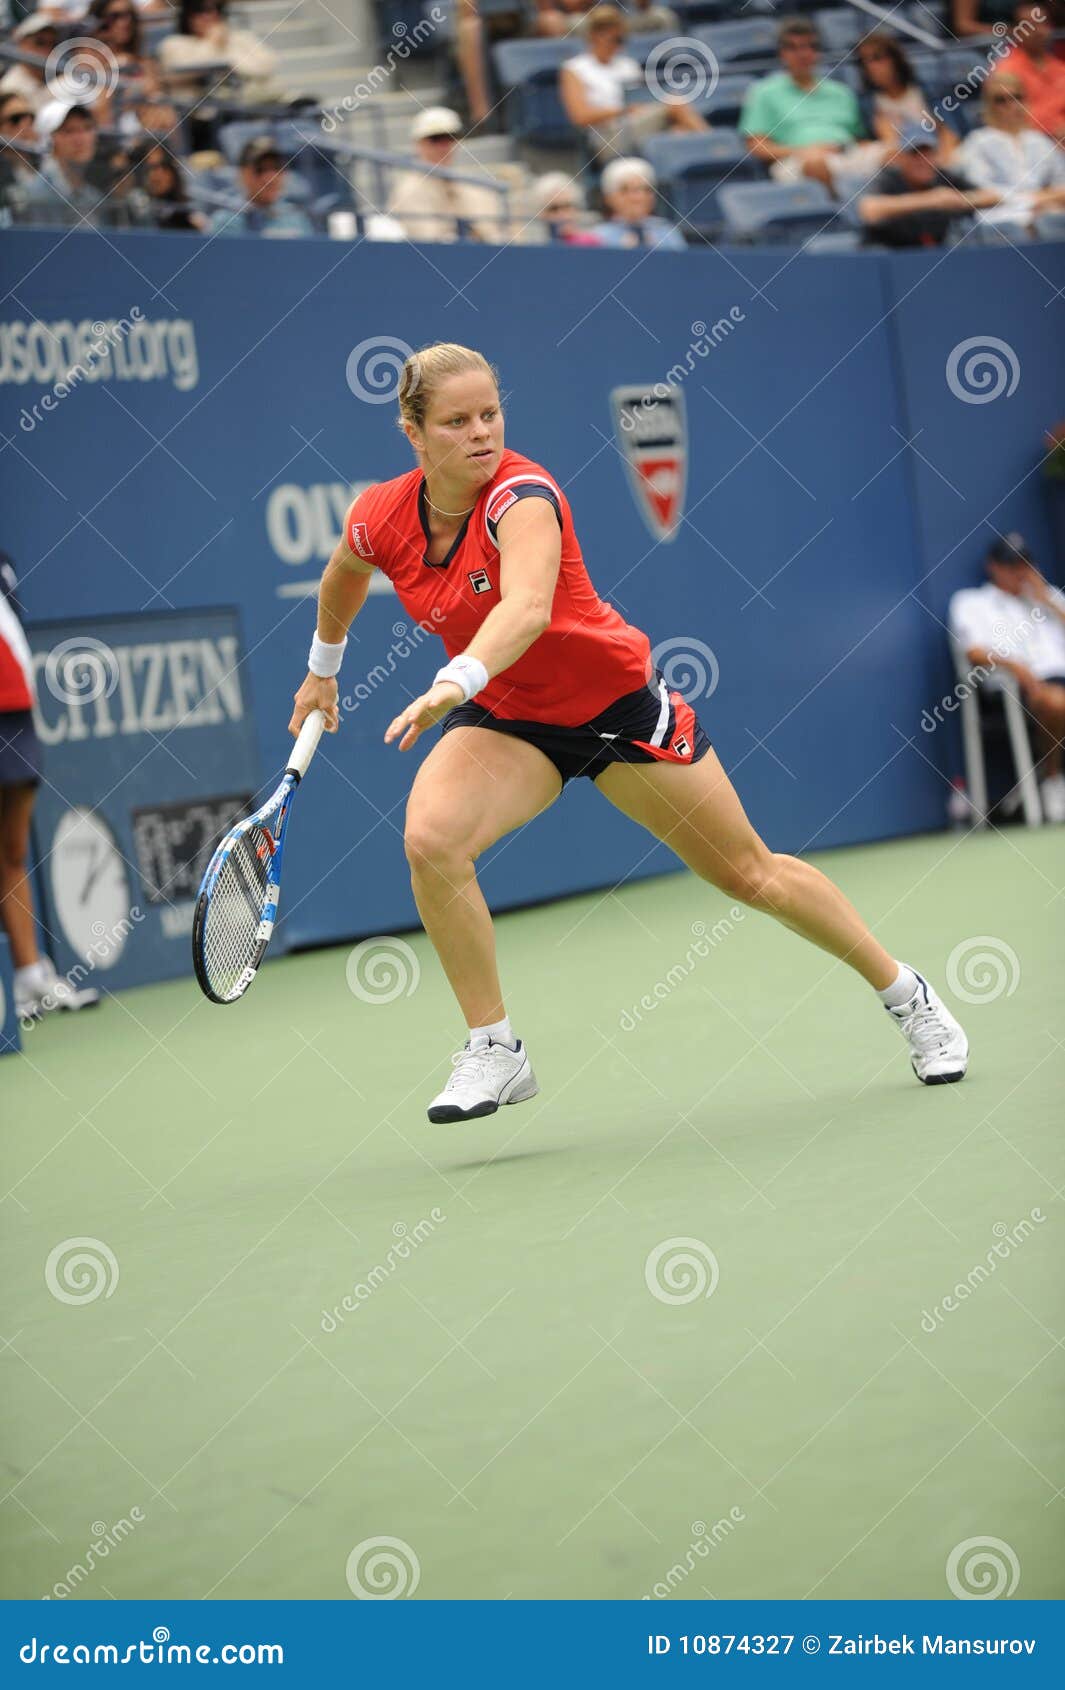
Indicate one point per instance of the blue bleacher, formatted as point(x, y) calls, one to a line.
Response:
point(741, 39)
point(775, 211)
point(691, 169)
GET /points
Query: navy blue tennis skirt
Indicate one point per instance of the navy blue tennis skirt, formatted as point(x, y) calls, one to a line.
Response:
point(20, 749)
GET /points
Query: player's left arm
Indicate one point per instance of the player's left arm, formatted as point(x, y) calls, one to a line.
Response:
point(530, 554)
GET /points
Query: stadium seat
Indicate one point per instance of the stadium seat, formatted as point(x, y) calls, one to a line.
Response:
point(528, 74)
point(774, 211)
point(725, 104)
point(741, 39)
point(691, 168)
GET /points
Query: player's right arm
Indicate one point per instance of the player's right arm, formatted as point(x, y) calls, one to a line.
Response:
point(342, 593)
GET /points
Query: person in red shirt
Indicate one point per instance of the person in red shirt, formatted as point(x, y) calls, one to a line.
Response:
point(1042, 74)
point(545, 682)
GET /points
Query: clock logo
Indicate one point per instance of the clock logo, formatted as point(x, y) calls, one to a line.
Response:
point(90, 888)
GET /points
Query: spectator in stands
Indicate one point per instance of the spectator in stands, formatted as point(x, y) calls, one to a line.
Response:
point(19, 150)
point(203, 41)
point(559, 17)
point(61, 190)
point(594, 90)
point(1024, 167)
point(1016, 622)
point(558, 209)
point(1040, 73)
point(161, 196)
point(36, 36)
point(914, 201)
point(117, 24)
point(470, 58)
point(76, 9)
point(262, 176)
point(37, 990)
point(647, 16)
point(802, 123)
point(628, 190)
point(978, 17)
point(432, 207)
point(894, 95)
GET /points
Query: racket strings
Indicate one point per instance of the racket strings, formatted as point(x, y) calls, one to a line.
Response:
point(235, 911)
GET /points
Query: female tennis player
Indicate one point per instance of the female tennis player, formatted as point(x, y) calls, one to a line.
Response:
point(545, 682)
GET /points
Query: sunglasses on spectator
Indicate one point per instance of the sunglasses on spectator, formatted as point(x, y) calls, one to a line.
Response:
point(1003, 100)
point(116, 17)
point(17, 117)
point(267, 166)
point(559, 205)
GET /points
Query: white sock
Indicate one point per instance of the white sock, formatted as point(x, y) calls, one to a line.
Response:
point(31, 977)
point(498, 1033)
point(901, 989)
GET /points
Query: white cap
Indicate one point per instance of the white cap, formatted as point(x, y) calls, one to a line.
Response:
point(621, 170)
point(435, 120)
point(32, 26)
point(54, 113)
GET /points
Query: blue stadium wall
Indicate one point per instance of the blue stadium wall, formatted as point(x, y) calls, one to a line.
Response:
point(815, 561)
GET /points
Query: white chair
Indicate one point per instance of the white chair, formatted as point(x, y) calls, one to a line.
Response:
point(1007, 689)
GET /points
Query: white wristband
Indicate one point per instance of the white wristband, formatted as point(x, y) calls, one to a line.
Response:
point(467, 672)
point(325, 659)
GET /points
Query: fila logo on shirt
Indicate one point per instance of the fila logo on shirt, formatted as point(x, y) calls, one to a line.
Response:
point(479, 580)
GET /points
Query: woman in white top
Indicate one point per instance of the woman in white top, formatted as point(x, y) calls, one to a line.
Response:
point(1011, 157)
point(205, 38)
point(595, 87)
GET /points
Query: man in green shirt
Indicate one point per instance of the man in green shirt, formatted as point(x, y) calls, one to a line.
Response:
point(801, 123)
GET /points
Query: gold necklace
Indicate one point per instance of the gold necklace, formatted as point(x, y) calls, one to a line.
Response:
point(439, 509)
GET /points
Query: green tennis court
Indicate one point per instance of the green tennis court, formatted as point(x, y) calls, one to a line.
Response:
point(529, 1387)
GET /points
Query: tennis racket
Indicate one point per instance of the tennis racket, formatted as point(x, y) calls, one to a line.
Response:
point(237, 905)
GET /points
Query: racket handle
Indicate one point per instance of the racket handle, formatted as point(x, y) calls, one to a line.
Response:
point(306, 744)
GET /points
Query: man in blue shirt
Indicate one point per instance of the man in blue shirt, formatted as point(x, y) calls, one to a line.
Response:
point(262, 175)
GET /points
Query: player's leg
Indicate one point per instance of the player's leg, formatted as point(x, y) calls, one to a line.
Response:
point(16, 900)
point(695, 810)
point(475, 786)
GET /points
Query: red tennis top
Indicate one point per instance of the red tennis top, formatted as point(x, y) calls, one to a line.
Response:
point(586, 658)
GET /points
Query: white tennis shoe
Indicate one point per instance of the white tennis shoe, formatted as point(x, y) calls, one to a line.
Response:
point(939, 1050)
point(482, 1077)
point(42, 991)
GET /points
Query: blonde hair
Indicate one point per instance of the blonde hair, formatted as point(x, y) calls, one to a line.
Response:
point(1004, 81)
point(424, 371)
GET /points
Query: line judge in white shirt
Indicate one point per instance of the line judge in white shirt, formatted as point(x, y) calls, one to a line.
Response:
point(1016, 622)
